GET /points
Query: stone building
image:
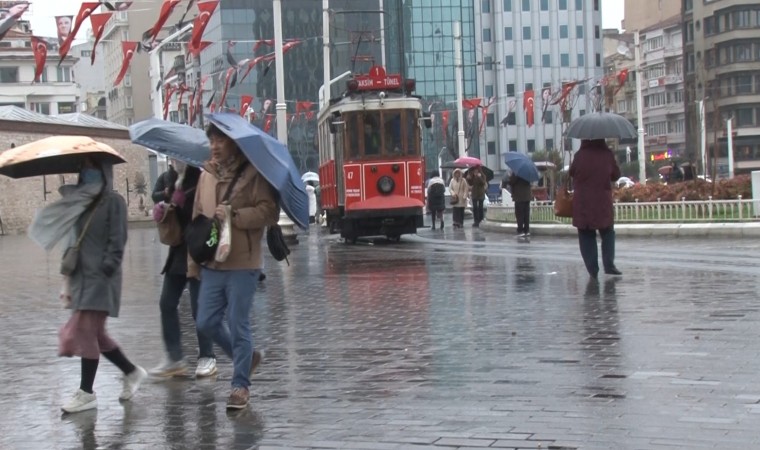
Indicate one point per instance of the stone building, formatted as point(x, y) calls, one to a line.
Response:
point(19, 199)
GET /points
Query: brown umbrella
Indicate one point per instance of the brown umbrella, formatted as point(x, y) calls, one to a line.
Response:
point(55, 155)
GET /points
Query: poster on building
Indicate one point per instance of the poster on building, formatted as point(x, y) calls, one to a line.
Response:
point(63, 26)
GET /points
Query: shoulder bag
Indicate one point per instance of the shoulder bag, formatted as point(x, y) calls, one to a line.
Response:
point(70, 259)
point(563, 203)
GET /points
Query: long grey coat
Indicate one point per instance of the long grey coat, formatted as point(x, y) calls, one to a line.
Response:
point(96, 282)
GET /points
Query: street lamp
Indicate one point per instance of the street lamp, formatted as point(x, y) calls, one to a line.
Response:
point(624, 50)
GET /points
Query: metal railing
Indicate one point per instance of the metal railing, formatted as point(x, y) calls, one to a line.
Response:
point(739, 210)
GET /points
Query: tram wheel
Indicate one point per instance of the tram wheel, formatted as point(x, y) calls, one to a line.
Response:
point(394, 237)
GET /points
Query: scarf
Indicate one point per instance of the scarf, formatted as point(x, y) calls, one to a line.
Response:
point(225, 170)
point(56, 220)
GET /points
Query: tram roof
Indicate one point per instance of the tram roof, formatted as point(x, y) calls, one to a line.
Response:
point(358, 103)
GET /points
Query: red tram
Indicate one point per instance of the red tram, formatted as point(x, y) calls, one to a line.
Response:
point(371, 167)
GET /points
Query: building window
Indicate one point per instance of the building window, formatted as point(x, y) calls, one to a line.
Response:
point(548, 117)
point(563, 31)
point(544, 5)
point(510, 89)
point(579, 5)
point(490, 120)
point(511, 119)
point(85, 53)
point(581, 60)
point(544, 32)
point(598, 60)
point(507, 5)
point(63, 74)
point(489, 90)
point(66, 107)
point(491, 147)
point(562, 5)
point(596, 5)
point(128, 80)
point(564, 60)
point(531, 145)
point(509, 62)
point(526, 33)
point(486, 35)
point(653, 44)
point(744, 117)
point(129, 101)
point(528, 61)
point(526, 5)
point(488, 63)
point(124, 34)
point(622, 106)
point(42, 108)
point(528, 86)
point(546, 60)
point(507, 33)
point(512, 145)
point(582, 89)
point(596, 32)
point(550, 143)
point(485, 6)
point(8, 74)
point(582, 113)
point(579, 31)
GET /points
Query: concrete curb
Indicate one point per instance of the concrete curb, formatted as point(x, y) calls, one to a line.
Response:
point(686, 230)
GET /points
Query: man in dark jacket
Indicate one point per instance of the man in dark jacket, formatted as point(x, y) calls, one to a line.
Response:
point(522, 195)
point(162, 191)
point(436, 197)
point(477, 179)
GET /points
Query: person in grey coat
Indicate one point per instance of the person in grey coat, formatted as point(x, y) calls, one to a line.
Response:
point(93, 211)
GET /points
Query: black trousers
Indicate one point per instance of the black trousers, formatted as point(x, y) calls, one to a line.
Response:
point(477, 211)
point(458, 215)
point(522, 213)
point(587, 242)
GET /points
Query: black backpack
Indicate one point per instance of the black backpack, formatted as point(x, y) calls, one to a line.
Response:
point(276, 243)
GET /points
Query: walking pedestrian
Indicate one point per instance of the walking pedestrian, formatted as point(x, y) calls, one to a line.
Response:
point(593, 170)
point(477, 179)
point(436, 198)
point(182, 194)
point(229, 286)
point(459, 189)
point(522, 195)
point(94, 217)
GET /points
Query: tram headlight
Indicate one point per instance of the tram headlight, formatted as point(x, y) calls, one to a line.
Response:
point(385, 185)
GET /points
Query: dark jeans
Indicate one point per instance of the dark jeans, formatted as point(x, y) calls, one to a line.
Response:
point(171, 293)
point(458, 215)
point(477, 211)
point(587, 241)
point(522, 213)
point(436, 215)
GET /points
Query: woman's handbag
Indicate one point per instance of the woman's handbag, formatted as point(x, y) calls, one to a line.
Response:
point(70, 259)
point(203, 233)
point(563, 204)
point(454, 199)
point(169, 229)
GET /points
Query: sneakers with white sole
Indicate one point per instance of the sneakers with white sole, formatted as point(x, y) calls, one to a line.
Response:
point(81, 401)
point(169, 368)
point(206, 367)
point(131, 383)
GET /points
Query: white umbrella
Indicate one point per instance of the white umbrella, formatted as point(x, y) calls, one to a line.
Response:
point(310, 176)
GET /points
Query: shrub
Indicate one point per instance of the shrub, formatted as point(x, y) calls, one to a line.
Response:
point(690, 190)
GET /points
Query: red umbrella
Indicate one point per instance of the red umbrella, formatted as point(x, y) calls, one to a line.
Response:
point(469, 161)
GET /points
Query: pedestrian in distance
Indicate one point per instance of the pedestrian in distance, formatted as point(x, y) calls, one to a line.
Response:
point(593, 171)
point(228, 287)
point(436, 198)
point(311, 194)
point(162, 191)
point(522, 196)
point(459, 190)
point(182, 198)
point(477, 180)
point(94, 217)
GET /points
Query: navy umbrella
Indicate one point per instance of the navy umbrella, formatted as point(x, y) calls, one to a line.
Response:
point(182, 142)
point(522, 166)
point(272, 160)
point(601, 125)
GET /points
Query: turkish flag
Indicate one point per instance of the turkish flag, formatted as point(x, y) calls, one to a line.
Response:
point(303, 106)
point(445, 122)
point(206, 10)
point(309, 115)
point(229, 81)
point(169, 92)
point(567, 88)
point(470, 103)
point(191, 109)
point(166, 10)
point(268, 124)
point(197, 50)
point(245, 103)
point(128, 49)
point(528, 106)
point(253, 63)
point(85, 10)
point(622, 77)
point(98, 22)
point(40, 56)
point(259, 43)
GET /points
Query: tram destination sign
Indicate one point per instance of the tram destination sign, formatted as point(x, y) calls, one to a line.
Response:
point(378, 79)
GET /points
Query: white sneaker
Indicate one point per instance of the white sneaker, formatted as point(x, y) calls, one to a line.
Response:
point(81, 401)
point(169, 368)
point(132, 382)
point(206, 367)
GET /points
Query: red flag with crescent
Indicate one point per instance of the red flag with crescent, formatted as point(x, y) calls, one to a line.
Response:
point(567, 88)
point(260, 42)
point(191, 108)
point(622, 77)
point(470, 103)
point(445, 122)
point(128, 49)
point(303, 106)
point(166, 10)
point(40, 56)
point(268, 123)
point(98, 22)
point(167, 100)
point(197, 50)
point(253, 63)
point(245, 103)
point(309, 115)
point(206, 9)
point(528, 106)
point(85, 10)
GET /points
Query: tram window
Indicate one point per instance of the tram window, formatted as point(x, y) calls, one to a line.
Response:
point(411, 136)
point(372, 138)
point(351, 127)
point(392, 133)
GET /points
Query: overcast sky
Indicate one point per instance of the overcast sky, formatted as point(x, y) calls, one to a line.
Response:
point(44, 12)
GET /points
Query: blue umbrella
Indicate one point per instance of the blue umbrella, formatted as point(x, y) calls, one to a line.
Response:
point(175, 140)
point(272, 160)
point(522, 166)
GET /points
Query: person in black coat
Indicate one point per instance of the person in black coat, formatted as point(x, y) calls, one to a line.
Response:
point(436, 197)
point(522, 195)
point(181, 193)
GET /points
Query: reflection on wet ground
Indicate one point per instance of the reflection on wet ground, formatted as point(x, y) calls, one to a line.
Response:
point(460, 338)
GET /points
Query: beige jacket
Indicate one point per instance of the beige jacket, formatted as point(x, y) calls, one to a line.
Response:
point(254, 207)
point(461, 189)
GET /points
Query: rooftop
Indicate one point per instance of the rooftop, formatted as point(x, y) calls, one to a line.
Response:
point(14, 113)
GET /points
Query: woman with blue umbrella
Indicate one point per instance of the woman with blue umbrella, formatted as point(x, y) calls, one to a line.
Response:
point(524, 172)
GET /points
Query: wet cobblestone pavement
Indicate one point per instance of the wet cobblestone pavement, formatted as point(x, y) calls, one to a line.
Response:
point(454, 339)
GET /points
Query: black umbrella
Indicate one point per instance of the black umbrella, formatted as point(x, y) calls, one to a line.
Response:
point(601, 125)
